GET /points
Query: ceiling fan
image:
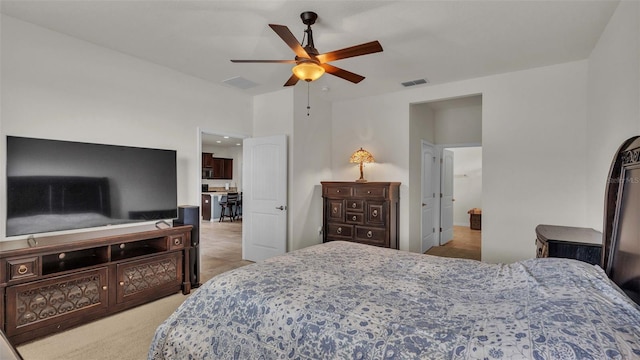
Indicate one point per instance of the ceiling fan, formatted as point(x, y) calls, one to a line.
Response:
point(311, 65)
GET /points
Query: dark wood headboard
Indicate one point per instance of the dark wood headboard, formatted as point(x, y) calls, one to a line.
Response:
point(621, 233)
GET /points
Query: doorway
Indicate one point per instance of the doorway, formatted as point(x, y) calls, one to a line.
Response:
point(461, 203)
point(444, 127)
point(452, 200)
point(220, 241)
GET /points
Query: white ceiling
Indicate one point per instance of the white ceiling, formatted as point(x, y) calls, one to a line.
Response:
point(441, 41)
point(221, 140)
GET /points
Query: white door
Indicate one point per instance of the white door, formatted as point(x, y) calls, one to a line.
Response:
point(264, 197)
point(429, 238)
point(446, 201)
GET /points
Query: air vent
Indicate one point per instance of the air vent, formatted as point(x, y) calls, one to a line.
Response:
point(415, 82)
point(240, 82)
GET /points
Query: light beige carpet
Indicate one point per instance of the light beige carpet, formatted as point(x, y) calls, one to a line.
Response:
point(127, 335)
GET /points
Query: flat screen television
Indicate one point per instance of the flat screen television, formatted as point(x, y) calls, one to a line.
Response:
point(55, 185)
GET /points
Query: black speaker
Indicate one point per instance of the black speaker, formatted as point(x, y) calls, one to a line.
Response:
point(190, 215)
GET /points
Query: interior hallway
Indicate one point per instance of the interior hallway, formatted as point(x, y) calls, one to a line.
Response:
point(220, 247)
point(466, 244)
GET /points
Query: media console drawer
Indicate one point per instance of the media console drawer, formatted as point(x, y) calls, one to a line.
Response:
point(22, 268)
point(40, 303)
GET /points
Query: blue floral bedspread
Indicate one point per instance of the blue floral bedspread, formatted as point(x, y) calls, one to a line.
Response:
point(343, 300)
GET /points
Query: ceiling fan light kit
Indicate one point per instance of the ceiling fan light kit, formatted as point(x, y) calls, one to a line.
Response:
point(310, 64)
point(308, 71)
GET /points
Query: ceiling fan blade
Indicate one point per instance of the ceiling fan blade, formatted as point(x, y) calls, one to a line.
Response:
point(265, 61)
point(357, 50)
point(292, 81)
point(286, 35)
point(341, 73)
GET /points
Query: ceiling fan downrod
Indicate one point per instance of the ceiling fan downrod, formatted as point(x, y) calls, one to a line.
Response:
point(309, 18)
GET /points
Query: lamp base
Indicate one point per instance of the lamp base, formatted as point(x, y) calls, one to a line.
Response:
point(361, 181)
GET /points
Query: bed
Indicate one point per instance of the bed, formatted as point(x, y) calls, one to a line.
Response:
point(342, 300)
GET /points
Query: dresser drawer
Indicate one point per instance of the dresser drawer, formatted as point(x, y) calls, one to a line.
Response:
point(338, 191)
point(370, 192)
point(335, 210)
point(376, 213)
point(339, 232)
point(21, 268)
point(355, 218)
point(355, 205)
point(373, 236)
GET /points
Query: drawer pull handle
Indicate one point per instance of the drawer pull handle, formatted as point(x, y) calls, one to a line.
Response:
point(354, 218)
point(104, 287)
point(354, 205)
point(337, 191)
point(23, 269)
point(177, 241)
point(121, 283)
point(369, 234)
point(335, 210)
point(339, 231)
point(369, 192)
point(374, 213)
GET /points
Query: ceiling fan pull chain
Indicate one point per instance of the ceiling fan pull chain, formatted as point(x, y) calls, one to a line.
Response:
point(308, 107)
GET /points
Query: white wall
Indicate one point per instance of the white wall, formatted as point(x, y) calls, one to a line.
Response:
point(458, 125)
point(467, 182)
point(58, 87)
point(614, 100)
point(421, 127)
point(311, 147)
point(530, 175)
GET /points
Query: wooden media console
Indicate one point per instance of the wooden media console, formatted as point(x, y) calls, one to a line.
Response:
point(54, 283)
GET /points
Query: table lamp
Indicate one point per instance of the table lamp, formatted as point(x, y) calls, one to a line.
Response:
point(361, 156)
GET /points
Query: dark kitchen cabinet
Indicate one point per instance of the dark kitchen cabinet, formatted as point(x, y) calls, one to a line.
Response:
point(216, 168)
point(222, 168)
point(207, 160)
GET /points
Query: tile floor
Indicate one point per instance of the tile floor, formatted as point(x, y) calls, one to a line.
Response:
point(220, 248)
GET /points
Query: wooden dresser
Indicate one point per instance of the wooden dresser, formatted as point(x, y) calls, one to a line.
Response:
point(366, 213)
point(569, 242)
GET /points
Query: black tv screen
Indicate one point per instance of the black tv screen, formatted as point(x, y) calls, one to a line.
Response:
point(55, 185)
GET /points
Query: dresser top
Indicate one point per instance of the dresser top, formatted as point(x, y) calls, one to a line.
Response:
point(360, 183)
point(569, 234)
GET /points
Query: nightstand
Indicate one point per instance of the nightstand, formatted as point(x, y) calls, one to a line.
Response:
point(569, 242)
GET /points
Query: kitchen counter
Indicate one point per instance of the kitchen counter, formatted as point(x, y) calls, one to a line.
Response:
point(214, 198)
point(211, 200)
